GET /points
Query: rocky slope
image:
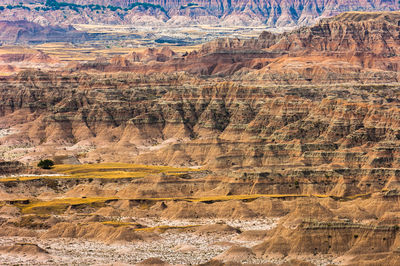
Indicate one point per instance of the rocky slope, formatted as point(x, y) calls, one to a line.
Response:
point(271, 13)
point(277, 109)
point(307, 134)
point(29, 32)
point(188, 226)
point(359, 47)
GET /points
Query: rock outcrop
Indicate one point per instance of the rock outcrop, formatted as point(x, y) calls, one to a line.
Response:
point(23, 31)
point(287, 13)
point(10, 168)
point(331, 237)
point(315, 105)
point(352, 47)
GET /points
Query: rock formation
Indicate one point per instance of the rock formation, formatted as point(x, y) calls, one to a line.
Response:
point(272, 13)
point(352, 47)
point(11, 167)
point(304, 122)
point(29, 32)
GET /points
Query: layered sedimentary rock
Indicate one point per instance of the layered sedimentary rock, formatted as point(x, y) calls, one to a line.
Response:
point(15, 167)
point(286, 109)
point(353, 230)
point(293, 132)
point(352, 47)
point(29, 32)
point(270, 13)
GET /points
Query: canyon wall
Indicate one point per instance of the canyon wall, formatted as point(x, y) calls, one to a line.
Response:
point(270, 13)
point(298, 135)
point(318, 104)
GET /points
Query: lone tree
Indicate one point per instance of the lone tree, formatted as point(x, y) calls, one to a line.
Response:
point(45, 164)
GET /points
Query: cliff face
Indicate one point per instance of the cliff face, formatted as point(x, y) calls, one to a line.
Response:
point(301, 136)
point(249, 12)
point(366, 33)
point(354, 240)
point(352, 47)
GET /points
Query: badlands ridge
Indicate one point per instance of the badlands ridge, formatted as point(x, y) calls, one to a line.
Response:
point(277, 150)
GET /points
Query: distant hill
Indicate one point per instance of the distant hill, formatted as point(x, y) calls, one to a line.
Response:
point(22, 31)
point(273, 13)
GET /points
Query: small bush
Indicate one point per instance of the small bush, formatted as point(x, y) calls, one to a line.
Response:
point(46, 164)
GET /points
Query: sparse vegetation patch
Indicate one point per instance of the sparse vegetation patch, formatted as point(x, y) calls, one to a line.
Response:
point(45, 164)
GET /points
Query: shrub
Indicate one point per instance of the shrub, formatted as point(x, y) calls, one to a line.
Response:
point(45, 164)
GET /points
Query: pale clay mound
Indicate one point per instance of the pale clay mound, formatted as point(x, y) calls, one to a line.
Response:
point(24, 248)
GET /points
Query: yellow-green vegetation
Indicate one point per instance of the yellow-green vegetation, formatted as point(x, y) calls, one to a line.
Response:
point(163, 228)
point(243, 197)
point(113, 166)
point(119, 223)
point(60, 205)
point(117, 170)
point(24, 178)
point(6, 73)
point(105, 170)
point(351, 197)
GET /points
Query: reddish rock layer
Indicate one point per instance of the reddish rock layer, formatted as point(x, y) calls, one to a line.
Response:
point(353, 47)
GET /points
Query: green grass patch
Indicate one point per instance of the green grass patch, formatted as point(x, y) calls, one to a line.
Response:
point(58, 206)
